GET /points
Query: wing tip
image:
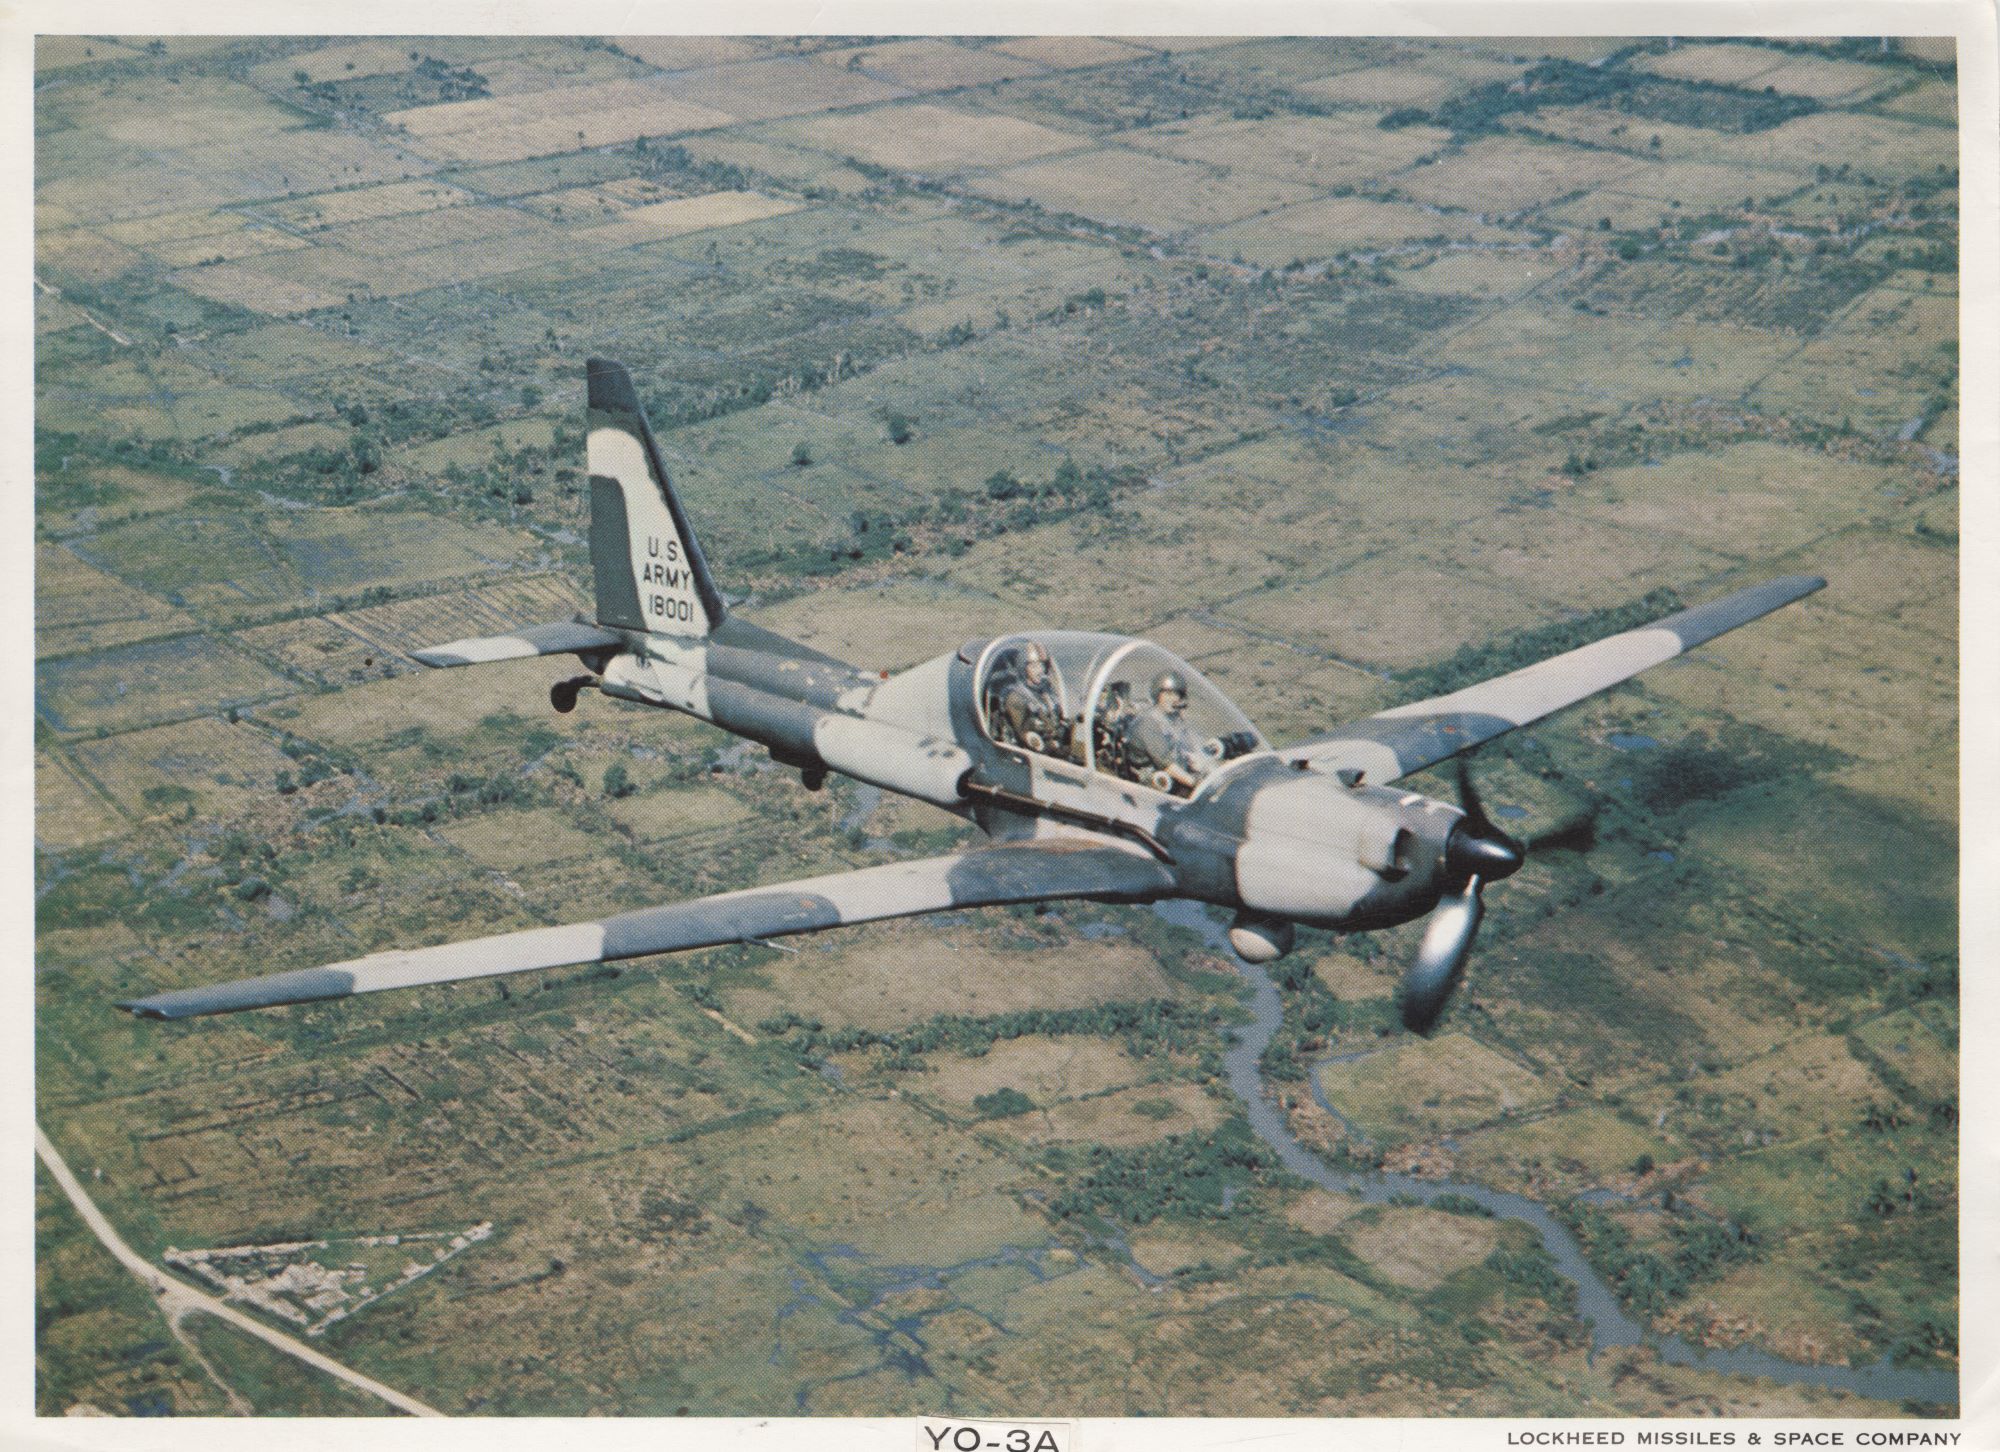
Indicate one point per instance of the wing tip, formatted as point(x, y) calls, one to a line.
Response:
point(1699, 624)
point(440, 656)
point(143, 1008)
point(609, 387)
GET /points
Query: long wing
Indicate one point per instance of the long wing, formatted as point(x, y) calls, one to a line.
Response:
point(1023, 872)
point(1407, 738)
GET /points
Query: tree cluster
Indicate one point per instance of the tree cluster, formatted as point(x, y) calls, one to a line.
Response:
point(1183, 1175)
point(1610, 84)
point(1646, 1281)
point(1148, 1027)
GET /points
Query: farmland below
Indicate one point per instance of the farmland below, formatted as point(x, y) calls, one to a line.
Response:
point(1352, 370)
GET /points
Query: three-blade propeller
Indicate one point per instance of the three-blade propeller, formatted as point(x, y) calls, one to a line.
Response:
point(1476, 852)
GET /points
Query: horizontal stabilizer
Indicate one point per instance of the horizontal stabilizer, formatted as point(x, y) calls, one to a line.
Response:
point(1022, 872)
point(1408, 738)
point(560, 638)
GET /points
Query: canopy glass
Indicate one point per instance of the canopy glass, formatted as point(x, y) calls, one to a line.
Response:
point(1110, 703)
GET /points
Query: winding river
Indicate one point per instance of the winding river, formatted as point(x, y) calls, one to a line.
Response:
point(1597, 1304)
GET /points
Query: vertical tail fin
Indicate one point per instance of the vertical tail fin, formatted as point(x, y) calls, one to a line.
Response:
point(650, 572)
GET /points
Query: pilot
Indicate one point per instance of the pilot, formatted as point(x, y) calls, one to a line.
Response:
point(1114, 722)
point(1030, 710)
point(1161, 746)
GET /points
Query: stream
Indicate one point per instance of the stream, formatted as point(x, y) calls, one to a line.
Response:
point(1597, 1304)
point(866, 800)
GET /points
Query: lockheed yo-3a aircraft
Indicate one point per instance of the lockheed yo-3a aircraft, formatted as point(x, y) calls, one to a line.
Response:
point(1099, 766)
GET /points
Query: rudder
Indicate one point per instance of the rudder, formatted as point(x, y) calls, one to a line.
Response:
point(650, 571)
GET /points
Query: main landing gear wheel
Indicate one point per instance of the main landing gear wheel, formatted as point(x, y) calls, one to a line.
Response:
point(563, 694)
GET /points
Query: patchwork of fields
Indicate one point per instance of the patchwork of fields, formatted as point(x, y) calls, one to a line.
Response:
point(1344, 367)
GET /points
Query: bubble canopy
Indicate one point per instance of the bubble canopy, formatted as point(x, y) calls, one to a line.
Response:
point(1079, 696)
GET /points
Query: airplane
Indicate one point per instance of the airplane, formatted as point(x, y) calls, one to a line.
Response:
point(1099, 767)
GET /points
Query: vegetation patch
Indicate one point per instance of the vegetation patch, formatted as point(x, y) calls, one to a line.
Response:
point(1313, 1019)
point(1156, 1026)
point(1003, 1103)
point(1183, 1177)
point(1696, 1249)
point(1611, 85)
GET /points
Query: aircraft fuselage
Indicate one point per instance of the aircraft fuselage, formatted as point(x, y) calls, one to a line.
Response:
point(1273, 843)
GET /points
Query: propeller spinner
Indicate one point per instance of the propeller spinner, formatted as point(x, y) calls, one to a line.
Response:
point(1476, 852)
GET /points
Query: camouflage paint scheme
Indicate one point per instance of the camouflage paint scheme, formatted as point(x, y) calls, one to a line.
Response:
point(1314, 834)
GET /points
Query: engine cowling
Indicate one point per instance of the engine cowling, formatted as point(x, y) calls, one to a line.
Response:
point(1313, 849)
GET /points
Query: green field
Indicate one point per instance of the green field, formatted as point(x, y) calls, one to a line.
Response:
point(1345, 367)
